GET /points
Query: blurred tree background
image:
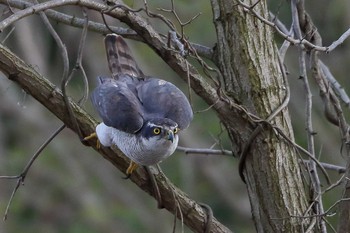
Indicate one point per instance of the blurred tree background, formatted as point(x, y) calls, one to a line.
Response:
point(72, 189)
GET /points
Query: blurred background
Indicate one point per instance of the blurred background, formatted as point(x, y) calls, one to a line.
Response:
point(71, 188)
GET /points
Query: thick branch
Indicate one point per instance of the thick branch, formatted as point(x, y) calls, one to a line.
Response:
point(51, 97)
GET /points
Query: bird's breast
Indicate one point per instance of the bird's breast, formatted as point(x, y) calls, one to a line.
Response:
point(144, 151)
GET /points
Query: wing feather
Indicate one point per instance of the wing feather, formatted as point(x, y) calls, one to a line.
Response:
point(163, 99)
point(118, 106)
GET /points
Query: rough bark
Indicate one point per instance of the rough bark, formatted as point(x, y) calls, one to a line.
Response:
point(248, 60)
point(344, 208)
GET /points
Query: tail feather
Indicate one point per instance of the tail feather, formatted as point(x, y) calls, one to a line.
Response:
point(120, 59)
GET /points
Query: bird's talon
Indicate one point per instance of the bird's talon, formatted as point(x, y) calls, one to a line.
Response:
point(126, 177)
point(91, 136)
point(98, 144)
point(84, 142)
point(132, 167)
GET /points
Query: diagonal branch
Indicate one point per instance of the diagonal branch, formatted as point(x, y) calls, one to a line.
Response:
point(75, 21)
point(51, 97)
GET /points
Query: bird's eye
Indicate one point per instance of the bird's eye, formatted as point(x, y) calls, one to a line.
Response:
point(176, 130)
point(156, 130)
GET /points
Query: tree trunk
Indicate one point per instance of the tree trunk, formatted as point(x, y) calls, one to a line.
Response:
point(344, 208)
point(252, 78)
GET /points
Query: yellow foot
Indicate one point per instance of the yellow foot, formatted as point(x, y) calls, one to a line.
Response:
point(132, 167)
point(91, 136)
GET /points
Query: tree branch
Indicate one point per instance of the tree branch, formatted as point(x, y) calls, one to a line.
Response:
point(51, 97)
point(74, 21)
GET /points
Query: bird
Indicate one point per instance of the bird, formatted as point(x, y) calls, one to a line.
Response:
point(141, 115)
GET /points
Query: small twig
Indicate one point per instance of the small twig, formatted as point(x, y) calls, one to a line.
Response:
point(25, 171)
point(7, 210)
point(22, 176)
point(339, 169)
point(74, 21)
point(159, 16)
point(65, 76)
point(154, 186)
point(174, 13)
point(208, 221)
point(340, 40)
point(303, 41)
point(315, 182)
point(206, 109)
point(311, 225)
point(8, 34)
point(78, 65)
point(187, 150)
point(33, 10)
point(79, 62)
point(335, 84)
point(177, 208)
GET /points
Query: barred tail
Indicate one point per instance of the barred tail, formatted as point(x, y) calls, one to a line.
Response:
point(120, 59)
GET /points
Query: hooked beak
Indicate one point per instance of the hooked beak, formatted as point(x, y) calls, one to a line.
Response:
point(170, 136)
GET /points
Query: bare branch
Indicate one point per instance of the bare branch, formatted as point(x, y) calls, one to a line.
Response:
point(21, 177)
point(338, 42)
point(328, 166)
point(290, 38)
point(315, 181)
point(335, 84)
point(98, 27)
point(187, 150)
point(47, 94)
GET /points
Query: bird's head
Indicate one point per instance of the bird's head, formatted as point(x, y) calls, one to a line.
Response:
point(160, 129)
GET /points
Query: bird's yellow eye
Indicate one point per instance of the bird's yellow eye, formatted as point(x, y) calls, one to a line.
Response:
point(176, 130)
point(156, 130)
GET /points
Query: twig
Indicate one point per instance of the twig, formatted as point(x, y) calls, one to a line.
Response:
point(74, 21)
point(159, 16)
point(187, 150)
point(291, 39)
point(209, 217)
point(335, 84)
point(316, 192)
point(340, 40)
point(7, 35)
point(182, 25)
point(339, 169)
point(33, 10)
point(25, 171)
point(79, 66)
point(22, 176)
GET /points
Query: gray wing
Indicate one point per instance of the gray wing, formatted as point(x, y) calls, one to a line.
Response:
point(118, 106)
point(163, 99)
point(120, 59)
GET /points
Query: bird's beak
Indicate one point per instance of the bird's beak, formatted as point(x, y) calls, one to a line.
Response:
point(170, 136)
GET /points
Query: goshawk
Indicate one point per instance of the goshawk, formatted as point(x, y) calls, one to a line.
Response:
point(142, 115)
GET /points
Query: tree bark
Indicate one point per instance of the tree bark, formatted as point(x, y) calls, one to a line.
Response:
point(248, 59)
point(344, 207)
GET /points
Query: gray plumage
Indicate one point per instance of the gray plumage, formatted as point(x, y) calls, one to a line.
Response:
point(134, 107)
